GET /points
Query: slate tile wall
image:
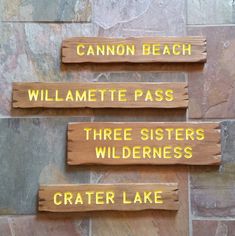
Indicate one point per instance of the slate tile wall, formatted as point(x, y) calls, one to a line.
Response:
point(32, 142)
point(212, 97)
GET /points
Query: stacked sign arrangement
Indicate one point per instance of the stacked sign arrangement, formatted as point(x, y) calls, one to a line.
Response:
point(124, 143)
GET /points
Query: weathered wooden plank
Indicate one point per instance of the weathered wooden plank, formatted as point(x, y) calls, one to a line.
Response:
point(144, 143)
point(102, 197)
point(94, 95)
point(134, 50)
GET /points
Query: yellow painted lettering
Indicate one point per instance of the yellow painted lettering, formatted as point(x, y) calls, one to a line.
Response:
point(89, 197)
point(56, 197)
point(148, 96)
point(176, 49)
point(138, 93)
point(159, 95)
point(87, 130)
point(130, 50)
point(169, 95)
point(126, 152)
point(69, 96)
point(147, 197)
point(146, 49)
point(200, 134)
point(179, 134)
point(79, 199)
point(137, 198)
point(68, 198)
point(47, 98)
point(99, 198)
point(187, 49)
point(156, 49)
point(33, 95)
point(167, 152)
point(79, 51)
point(158, 197)
point(166, 50)
point(100, 152)
point(92, 95)
point(178, 152)
point(110, 197)
point(122, 95)
point(90, 51)
point(57, 98)
point(100, 50)
point(136, 152)
point(80, 96)
point(128, 134)
point(120, 50)
point(124, 198)
point(188, 152)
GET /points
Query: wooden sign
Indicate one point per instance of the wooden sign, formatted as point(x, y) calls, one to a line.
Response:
point(94, 95)
point(135, 50)
point(144, 143)
point(102, 197)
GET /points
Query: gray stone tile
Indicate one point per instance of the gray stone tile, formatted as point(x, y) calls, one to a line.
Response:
point(43, 10)
point(210, 12)
point(140, 18)
point(212, 188)
point(33, 152)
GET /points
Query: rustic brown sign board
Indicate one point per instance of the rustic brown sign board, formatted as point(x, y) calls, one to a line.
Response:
point(134, 50)
point(144, 143)
point(100, 95)
point(103, 197)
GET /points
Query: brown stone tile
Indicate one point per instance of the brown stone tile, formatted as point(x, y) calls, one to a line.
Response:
point(5, 229)
point(212, 91)
point(146, 222)
point(213, 228)
point(44, 225)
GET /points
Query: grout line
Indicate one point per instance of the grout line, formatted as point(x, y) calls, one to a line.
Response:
point(45, 22)
point(210, 25)
point(199, 218)
point(189, 206)
point(186, 16)
point(190, 223)
point(211, 119)
point(90, 227)
point(90, 220)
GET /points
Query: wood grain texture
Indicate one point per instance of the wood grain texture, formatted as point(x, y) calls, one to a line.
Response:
point(102, 197)
point(70, 55)
point(142, 143)
point(101, 95)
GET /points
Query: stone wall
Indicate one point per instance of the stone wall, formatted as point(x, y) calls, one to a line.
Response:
point(32, 142)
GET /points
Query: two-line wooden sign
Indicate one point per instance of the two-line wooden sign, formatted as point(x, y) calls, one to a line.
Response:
point(115, 197)
point(134, 50)
point(144, 143)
